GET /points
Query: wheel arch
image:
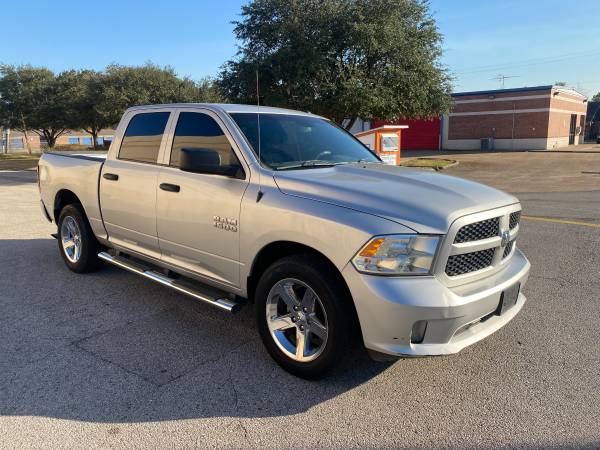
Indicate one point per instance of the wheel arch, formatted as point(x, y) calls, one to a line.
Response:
point(280, 249)
point(63, 198)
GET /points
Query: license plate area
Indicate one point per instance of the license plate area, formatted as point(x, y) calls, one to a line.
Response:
point(508, 298)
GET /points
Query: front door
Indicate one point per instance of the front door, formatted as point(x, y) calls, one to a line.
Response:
point(572, 129)
point(128, 184)
point(198, 221)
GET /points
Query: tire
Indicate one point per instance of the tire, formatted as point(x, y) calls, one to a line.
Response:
point(73, 227)
point(310, 278)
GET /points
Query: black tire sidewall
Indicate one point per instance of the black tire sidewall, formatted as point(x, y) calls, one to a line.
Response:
point(318, 275)
point(88, 260)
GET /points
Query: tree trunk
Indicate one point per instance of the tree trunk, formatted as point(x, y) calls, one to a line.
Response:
point(25, 134)
point(50, 138)
point(94, 133)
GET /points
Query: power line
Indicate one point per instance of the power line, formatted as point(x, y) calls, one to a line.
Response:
point(529, 62)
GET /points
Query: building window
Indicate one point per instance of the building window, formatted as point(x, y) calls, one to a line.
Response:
point(16, 143)
point(86, 140)
point(73, 141)
point(100, 141)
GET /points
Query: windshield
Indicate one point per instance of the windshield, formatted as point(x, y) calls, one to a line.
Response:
point(291, 142)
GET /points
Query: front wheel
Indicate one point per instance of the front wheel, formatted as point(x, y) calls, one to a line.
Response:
point(76, 241)
point(304, 315)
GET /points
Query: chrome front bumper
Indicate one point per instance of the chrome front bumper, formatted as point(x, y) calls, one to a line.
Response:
point(388, 307)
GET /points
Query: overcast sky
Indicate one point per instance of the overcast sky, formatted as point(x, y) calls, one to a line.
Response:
point(537, 41)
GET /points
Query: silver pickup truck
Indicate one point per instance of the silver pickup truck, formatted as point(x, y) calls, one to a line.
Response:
point(234, 204)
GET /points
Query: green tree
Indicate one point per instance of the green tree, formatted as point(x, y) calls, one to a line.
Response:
point(90, 109)
point(31, 101)
point(151, 84)
point(98, 99)
point(596, 98)
point(35, 100)
point(340, 58)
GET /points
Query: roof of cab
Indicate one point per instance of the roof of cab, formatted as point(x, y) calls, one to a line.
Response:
point(225, 107)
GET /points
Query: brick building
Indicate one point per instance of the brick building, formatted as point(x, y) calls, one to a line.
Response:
point(421, 134)
point(72, 138)
point(542, 117)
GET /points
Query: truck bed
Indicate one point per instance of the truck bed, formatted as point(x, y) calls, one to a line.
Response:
point(91, 156)
point(72, 173)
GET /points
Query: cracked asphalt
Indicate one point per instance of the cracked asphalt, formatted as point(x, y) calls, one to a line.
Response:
point(110, 360)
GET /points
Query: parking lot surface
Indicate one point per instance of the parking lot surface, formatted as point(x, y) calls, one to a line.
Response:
point(111, 360)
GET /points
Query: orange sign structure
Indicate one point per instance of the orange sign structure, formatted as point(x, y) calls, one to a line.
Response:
point(385, 141)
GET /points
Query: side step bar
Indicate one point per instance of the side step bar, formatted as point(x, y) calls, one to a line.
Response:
point(223, 303)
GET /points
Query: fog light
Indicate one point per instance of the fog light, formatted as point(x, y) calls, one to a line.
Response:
point(418, 332)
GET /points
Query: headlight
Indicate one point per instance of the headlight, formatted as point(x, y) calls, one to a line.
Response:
point(401, 254)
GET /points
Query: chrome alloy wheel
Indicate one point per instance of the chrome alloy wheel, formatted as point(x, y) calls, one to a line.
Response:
point(297, 320)
point(70, 236)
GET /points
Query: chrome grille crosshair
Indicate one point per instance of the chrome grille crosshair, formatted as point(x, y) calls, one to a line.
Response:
point(482, 245)
point(478, 230)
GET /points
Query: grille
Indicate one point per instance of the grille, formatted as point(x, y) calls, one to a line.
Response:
point(507, 249)
point(514, 219)
point(479, 230)
point(469, 262)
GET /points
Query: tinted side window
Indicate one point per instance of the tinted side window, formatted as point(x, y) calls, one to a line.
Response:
point(197, 130)
point(141, 141)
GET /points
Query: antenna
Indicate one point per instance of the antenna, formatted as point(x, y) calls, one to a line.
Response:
point(500, 78)
point(260, 192)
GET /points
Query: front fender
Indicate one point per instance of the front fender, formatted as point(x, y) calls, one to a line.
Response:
point(336, 232)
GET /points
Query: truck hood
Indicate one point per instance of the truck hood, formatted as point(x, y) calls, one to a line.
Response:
point(427, 202)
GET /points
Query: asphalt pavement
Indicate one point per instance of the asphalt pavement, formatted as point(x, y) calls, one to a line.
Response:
point(112, 360)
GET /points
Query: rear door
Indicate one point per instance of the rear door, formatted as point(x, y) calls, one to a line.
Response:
point(128, 183)
point(198, 225)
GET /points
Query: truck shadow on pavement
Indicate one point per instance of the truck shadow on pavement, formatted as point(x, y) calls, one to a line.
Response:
point(17, 178)
point(112, 347)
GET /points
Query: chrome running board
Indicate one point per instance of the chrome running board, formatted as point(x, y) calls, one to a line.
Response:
point(222, 302)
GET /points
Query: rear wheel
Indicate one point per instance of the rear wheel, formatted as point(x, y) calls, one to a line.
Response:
point(304, 315)
point(76, 241)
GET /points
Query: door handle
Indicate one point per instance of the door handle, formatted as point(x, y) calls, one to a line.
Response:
point(170, 187)
point(110, 176)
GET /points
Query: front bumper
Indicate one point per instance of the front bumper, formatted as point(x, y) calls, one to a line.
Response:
point(457, 317)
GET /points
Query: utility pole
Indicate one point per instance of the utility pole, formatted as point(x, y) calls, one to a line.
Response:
point(500, 78)
point(7, 140)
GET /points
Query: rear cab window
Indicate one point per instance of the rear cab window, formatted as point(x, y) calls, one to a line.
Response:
point(143, 136)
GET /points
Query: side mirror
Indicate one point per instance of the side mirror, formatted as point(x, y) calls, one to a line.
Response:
point(205, 160)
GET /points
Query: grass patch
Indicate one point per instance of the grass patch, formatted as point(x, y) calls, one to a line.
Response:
point(19, 157)
point(431, 163)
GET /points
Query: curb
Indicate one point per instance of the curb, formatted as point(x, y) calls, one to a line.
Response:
point(455, 163)
point(435, 169)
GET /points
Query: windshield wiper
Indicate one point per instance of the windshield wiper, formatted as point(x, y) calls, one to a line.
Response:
point(364, 161)
point(309, 164)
